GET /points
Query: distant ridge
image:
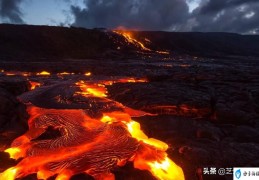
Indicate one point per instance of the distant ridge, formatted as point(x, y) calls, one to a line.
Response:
point(19, 42)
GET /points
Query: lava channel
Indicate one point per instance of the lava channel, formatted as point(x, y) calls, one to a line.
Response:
point(94, 145)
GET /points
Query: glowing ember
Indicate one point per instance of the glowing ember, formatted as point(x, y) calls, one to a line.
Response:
point(16, 73)
point(43, 73)
point(125, 80)
point(10, 74)
point(147, 40)
point(129, 37)
point(162, 52)
point(65, 74)
point(34, 84)
point(131, 80)
point(88, 145)
point(88, 74)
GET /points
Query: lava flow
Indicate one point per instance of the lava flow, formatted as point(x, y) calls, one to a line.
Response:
point(129, 37)
point(95, 146)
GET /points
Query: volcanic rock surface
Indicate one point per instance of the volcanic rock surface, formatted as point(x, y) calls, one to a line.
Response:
point(206, 108)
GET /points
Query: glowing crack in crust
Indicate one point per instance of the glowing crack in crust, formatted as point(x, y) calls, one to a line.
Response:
point(89, 145)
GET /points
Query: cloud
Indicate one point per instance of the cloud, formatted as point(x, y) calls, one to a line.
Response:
point(135, 14)
point(10, 11)
point(240, 16)
point(227, 16)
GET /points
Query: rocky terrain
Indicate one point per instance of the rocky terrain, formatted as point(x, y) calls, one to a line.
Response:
point(207, 105)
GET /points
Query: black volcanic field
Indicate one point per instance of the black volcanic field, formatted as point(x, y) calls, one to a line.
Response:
point(205, 90)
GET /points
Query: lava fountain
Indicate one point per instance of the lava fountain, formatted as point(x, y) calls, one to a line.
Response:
point(95, 145)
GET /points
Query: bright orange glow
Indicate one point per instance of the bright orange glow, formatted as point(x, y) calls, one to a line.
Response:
point(26, 74)
point(107, 119)
point(64, 176)
point(91, 145)
point(131, 80)
point(65, 74)
point(34, 84)
point(88, 74)
point(129, 37)
point(158, 163)
point(166, 170)
point(13, 152)
point(124, 80)
point(9, 174)
point(89, 89)
point(16, 73)
point(43, 73)
point(10, 74)
point(98, 92)
point(136, 132)
point(116, 116)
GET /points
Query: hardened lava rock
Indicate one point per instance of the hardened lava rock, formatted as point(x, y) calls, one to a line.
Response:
point(65, 96)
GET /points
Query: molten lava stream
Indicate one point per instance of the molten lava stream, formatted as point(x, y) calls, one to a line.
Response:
point(87, 145)
point(130, 39)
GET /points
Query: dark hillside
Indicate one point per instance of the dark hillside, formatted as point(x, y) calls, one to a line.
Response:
point(18, 42)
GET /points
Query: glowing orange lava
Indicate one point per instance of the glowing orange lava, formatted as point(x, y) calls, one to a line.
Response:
point(10, 74)
point(34, 84)
point(88, 145)
point(129, 37)
point(65, 74)
point(124, 80)
point(43, 73)
point(91, 89)
point(88, 74)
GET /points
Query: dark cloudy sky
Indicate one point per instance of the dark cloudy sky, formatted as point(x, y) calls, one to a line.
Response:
point(241, 16)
